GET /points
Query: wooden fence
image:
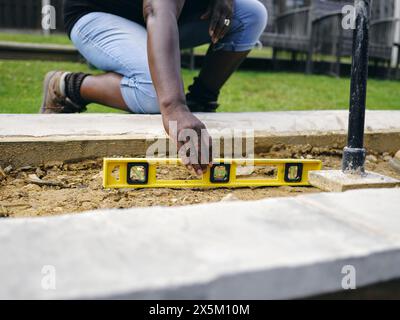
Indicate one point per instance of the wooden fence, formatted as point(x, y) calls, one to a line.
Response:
point(27, 14)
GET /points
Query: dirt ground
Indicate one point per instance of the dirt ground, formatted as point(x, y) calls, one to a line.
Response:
point(59, 188)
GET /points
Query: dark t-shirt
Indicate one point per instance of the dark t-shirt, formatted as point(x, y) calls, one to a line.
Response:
point(75, 9)
point(129, 9)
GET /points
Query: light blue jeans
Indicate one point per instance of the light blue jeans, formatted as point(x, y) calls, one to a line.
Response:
point(115, 44)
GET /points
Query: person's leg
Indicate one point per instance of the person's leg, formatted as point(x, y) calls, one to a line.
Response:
point(118, 47)
point(104, 89)
point(248, 23)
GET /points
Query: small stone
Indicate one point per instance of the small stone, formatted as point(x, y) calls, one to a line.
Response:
point(40, 173)
point(309, 157)
point(372, 158)
point(316, 150)
point(307, 148)
point(230, 197)
point(244, 171)
point(53, 164)
point(8, 169)
point(25, 168)
point(33, 177)
point(387, 158)
point(397, 156)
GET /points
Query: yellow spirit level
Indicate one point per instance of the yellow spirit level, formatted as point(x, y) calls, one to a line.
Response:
point(224, 173)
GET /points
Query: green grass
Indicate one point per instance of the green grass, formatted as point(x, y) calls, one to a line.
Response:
point(21, 90)
point(255, 53)
point(35, 38)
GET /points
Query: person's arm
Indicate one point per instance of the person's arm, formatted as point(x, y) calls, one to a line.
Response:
point(161, 18)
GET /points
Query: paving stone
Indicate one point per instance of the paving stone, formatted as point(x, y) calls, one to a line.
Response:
point(36, 139)
point(124, 124)
point(337, 181)
point(274, 248)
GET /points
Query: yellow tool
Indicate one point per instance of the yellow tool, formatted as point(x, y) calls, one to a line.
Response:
point(224, 173)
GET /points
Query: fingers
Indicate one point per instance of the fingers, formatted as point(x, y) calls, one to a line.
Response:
point(221, 29)
point(206, 155)
point(196, 154)
point(213, 24)
point(224, 27)
point(189, 155)
point(218, 23)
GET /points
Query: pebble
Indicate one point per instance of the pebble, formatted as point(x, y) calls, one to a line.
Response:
point(8, 169)
point(52, 164)
point(307, 148)
point(230, 197)
point(26, 168)
point(397, 156)
point(387, 158)
point(40, 173)
point(372, 158)
point(244, 171)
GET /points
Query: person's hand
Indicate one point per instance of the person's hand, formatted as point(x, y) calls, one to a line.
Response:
point(191, 137)
point(220, 12)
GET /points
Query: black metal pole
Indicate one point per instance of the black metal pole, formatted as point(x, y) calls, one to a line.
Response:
point(354, 154)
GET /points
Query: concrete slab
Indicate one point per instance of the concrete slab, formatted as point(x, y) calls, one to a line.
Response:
point(287, 122)
point(34, 139)
point(337, 181)
point(274, 248)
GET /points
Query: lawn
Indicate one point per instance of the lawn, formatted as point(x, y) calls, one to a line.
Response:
point(21, 89)
point(35, 38)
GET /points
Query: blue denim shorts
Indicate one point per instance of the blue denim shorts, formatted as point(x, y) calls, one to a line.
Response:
point(115, 44)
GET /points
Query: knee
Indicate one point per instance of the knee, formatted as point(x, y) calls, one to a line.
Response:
point(147, 99)
point(256, 16)
point(140, 96)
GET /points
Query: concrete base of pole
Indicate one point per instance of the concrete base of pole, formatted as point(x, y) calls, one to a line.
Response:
point(338, 181)
point(354, 160)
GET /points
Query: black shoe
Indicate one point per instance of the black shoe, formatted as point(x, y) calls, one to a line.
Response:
point(196, 106)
